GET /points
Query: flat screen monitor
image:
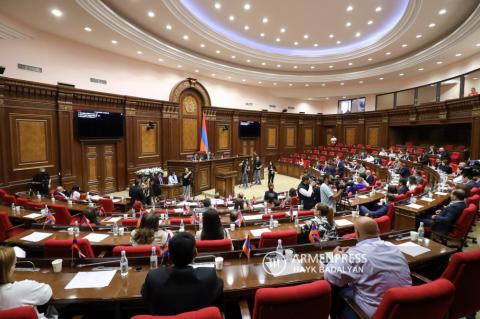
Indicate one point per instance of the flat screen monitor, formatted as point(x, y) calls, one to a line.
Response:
point(98, 125)
point(249, 129)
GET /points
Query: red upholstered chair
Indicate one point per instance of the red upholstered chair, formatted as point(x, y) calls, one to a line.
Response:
point(135, 251)
point(475, 199)
point(383, 223)
point(137, 206)
point(294, 201)
point(431, 300)
point(62, 215)
point(107, 205)
point(9, 199)
point(210, 246)
point(205, 313)
point(22, 201)
point(178, 221)
point(463, 272)
point(306, 213)
point(270, 239)
point(130, 222)
point(475, 191)
point(26, 312)
point(455, 157)
point(400, 197)
point(34, 205)
point(7, 230)
point(54, 248)
point(310, 300)
point(391, 212)
point(275, 215)
point(2, 193)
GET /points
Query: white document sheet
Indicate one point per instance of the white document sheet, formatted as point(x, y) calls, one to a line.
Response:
point(362, 196)
point(113, 220)
point(343, 222)
point(32, 215)
point(95, 197)
point(95, 238)
point(204, 265)
point(252, 217)
point(259, 232)
point(19, 252)
point(414, 206)
point(284, 269)
point(441, 193)
point(258, 206)
point(91, 279)
point(427, 199)
point(116, 200)
point(280, 197)
point(178, 210)
point(36, 237)
point(412, 249)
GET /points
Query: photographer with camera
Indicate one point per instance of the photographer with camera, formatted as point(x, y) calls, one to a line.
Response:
point(327, 195)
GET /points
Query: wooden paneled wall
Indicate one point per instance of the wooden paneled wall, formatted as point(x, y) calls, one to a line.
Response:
point(37, 130)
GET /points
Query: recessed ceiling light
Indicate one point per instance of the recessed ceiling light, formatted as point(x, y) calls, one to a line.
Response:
point(277, 39)
point(381, 79)
point(114, 41)
point(369, 59)
point(370, 22)
point(279, 65)
point(168, 26)
point(341, 83)
point(431, 25)
point(350, 63)
point(246, 27)
point(458, 54)
point(401, 74)
point(151, 14)
point(295, 43)
point(231, 18)
point(357, 34)
point(246, 6)
point(88, 29)
point(315, 44)
point(57, 13)
point(348, 24)
point(323, 84)
point(404, 45)
point(202, 45)
point(331, 36)
point(344, 97)
point(229, 77)
point(262, 34)
point(326, 98)
point(290, 84)
point(263, 63)
point(361, 82)
point(243, 80)
point(330, 66)
point(179, 66)
point(307, 85)
point(474, 78)
point(185, 37)
point(477, 45)
point(213, 74)
point(312, 67)
point(439, 62)
point(378, 9)
point(309, 99)
point(349, 8)
point(295, 66)
point(418, 36)
point(443, 11)
point(196, 71)
point(282, 30)
point(139, 52)
point(160, 59)
point(234, 57)
point(305, 36)
point(388, 53)
point(420, 69)
point(248, 61)
point(338, 42)
point(218, 5)
point(259, 82)
point(274, 83)
point(265, 20)
point(217, 52)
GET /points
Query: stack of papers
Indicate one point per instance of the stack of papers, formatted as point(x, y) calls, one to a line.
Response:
point(252, 217)
point(412, 249)
point(95, 238)
point(257, 206)
point(259, 232)
point(441, 193)
point(32, 215)
point(362, 196)
point(36, 237)
point(91, 279)
point(414, 206)
point(427, 199)
point(343, 222)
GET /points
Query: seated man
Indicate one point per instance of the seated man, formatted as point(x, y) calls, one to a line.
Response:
point(369, 177)
point(381, 266)
point(444, 167)
point(377, 210)
point(402, 186)
point(170, 291)
point(61, 192)
point(359, 184)
point(403, 170)
point(136, 193)
point(270, 196)
point(441, 222)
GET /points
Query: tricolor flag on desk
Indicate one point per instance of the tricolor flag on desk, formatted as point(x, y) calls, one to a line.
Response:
point(204, 138)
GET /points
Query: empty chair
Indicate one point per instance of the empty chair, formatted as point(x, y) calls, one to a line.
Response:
point(270, 239)
point(384, 226)
point(6, 228)
point(54, 248)
point(62, 215)
point(135, 251)
point(210, 246)
point(9, 199)
point(22, 201)
point(107, 205)
point(310, 300)
point(178, 221)
point(205, 313)
point(274, 215)
point(26, 312)
point(2, 193)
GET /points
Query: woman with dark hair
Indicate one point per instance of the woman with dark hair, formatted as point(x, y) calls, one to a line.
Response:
point(292, 197)
point(239, 202)
point(212, 227)
point(149, 233)
point(75, 193)
point(90, 214)
point(270, 196)
point(412, 183)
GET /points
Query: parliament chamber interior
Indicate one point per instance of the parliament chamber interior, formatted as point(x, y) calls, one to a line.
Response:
point(207, 159)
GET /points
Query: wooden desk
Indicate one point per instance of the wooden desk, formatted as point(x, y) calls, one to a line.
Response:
point(19, 217)
point(204, 172)
point(225, 183)
point(405, 217)
point(171, 191)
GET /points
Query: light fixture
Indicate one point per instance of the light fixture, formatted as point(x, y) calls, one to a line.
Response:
point(263, 63)
point(139, 52)
point(323, 84)
point(217, 5)
point(420, 69)
point(401, 74)
point(279, 65)
point(295, 66)
point(248, 61)
point(442, 12)
point(282, 30)
point(246, 27)
point(458, 54)
point(243, 80)
point(404, 45)
point(348, 24)
point(57, 13)
point(370, 22)
point(330, 66)
point(350, 63)
point(331, 36)
point(265, 20)
point(229, 77)
point(234, 57)
point(179, 66)
point(274, 83)
point(262, 34)
point(357, 34)
point(315, 44)
point(277, 39)
point(369, 59)
point(246, 6)
point(341, 83)
point(388, 53)
point(381, 79)
point(418, 36)
point(213, 74)
point(439, 62)
point(295, 43)
point(305, 36)
point(151, 14)
point(114, 41)
point(349, 8)
point(344, 97)
point(185, 37)
point(477, 45)
point(338, 42)
point(217, 52)
point(431, 25)
point(88, 29)
point(307, 85)
point(168, 26)
point(312, 67)
point(290, 84)
point(231, 18)
point(202, 45)
point(196, 71)
point(259, 82)
point(361, 82)
point(160, 59)
point(378, 9)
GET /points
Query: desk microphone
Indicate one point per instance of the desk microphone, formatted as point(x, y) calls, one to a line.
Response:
point(33, 269)
point(99, 263)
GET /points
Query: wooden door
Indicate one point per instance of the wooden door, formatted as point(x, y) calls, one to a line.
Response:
point(248, 147)
point(92, 170)
point(109, 169)
point(100, 168)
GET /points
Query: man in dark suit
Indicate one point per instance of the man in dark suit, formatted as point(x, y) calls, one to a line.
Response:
point(340, 166)
point(402, 186)
point(403, 171)
point(443, 154)
point(136, 193)
point(329, 169)
point(181, 288)
point(379, 209)
point(441, 222)
point(444, 167)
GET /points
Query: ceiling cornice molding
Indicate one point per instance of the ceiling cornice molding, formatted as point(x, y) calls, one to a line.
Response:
point(184, 16)
point(117, 23)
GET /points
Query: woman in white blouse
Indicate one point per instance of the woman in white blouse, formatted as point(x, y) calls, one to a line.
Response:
point(19, 293)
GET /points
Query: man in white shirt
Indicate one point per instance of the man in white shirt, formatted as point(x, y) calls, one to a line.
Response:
point(369, 158)
point(333, 140)
point(327, 196)
point(172, 179)
point(367, 270)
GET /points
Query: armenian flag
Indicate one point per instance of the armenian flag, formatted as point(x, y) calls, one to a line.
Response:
point(314, 236)
point(166, 251)
point(282, 204)
point(185, 209)
point(85, 221)
point(240, 219)
point(77, 248)
point(204, 138)
point(291, 213)
point(246, 248)
point(50, 219)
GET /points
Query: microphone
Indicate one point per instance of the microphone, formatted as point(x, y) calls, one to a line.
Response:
point(98, 263)
point(33, 269)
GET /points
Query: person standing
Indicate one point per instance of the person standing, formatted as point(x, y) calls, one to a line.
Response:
point(245, 169)
point(271, 172)
point(305, 193)
point(257, 166)
point(333, 141)
point(42, 181)
point(172, 179)
point(187, 182)
point(327, 195)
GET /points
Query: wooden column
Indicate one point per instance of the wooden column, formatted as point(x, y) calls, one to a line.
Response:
point(475, 135)
point(66, 135)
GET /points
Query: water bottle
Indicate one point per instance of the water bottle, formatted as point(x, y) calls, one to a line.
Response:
point(430, 195)
point(279, 247)
point(413, 200)
point(153, 259)
point(296, 220)
point(115, 229)
point(44, 211)
point(200, 226)
point(166, 214)
point(76, 229)
point(182, 226)
point(271, 221)
point(52, 199)
point(123, 265)
point(13, 207)
point(421, 232)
